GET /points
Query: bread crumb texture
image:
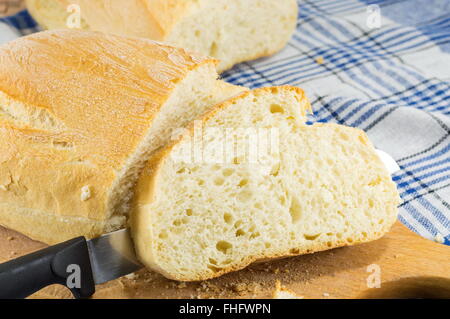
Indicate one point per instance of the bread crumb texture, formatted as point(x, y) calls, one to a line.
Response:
point(324, 187)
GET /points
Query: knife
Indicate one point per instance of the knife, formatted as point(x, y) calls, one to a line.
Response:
point(78, 264)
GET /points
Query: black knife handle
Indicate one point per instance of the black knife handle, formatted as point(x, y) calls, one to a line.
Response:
point(66, 264)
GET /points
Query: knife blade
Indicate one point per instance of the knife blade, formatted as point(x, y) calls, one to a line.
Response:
point(77, 264)
point(112, 256)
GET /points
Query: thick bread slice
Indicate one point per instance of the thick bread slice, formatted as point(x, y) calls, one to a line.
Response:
point(79, 113)
point(230, 30)
point(204, 206)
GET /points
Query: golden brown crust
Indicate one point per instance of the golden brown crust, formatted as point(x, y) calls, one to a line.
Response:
point(166, 13)
point(74, 106)
point(153, 19)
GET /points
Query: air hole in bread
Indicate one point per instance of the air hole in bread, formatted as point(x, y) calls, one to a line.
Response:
point(311, 237)
point(258, 206)
point(228, 218)
point(295, 211)
point(163, 235)
point(219, 181)
point(275, 169)
point(224, 247)
point(243, 182)
point(214, 269)
point(181, 171)
point(213, 49)
point(244, 196)
point(275, 108)
point(240, 232)
point(226, 262)
point(362, 139)
point(238, 223)
point(237, 160)
point(212, 261)
point(177, 222)
point(375, 182)
point(255, 235)
point(228, 172)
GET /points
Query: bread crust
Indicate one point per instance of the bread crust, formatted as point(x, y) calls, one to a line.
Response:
point(145, 194)
point(74, 106)
point(153, 19)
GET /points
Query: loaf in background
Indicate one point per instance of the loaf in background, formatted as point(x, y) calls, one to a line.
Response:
point(80, 112)
point(196, 218)
point(232, 31)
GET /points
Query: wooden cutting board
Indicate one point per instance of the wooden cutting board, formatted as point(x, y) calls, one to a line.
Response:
point(409, 267)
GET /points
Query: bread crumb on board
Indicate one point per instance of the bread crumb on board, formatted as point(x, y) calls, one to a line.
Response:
point(181, 285)
point(131, 276)
point(281, 292)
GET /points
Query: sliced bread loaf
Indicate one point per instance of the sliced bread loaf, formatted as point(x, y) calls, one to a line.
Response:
point(252, 181)
point(230, 30)
point(79, 113)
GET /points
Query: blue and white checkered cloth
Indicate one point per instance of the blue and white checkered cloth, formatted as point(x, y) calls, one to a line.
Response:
point(391, 81)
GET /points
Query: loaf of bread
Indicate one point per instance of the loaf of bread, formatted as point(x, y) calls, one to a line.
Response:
point(230, 30)
point(252, 181)
point(80, 112)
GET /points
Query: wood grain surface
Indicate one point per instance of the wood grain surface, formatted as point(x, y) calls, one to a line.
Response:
point(410, 267)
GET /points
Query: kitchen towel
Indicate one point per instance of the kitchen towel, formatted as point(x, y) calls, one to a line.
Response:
point(382, 66)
